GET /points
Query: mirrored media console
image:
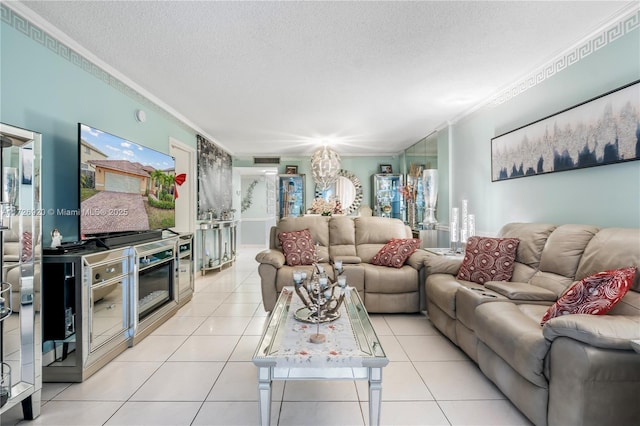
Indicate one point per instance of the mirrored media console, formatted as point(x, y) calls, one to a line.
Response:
point(98, 302)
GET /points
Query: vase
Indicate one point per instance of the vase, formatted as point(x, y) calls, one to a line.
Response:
point(411, 214)
point(430, 191)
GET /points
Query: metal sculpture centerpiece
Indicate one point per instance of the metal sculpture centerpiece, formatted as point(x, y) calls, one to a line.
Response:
point(321, 297)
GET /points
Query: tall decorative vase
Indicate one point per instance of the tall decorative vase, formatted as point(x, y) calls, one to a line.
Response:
point(430, 191)
point(411, 214)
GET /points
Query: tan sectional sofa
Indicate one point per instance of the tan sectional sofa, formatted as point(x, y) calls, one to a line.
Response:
point(574, 370)
point(354, 240)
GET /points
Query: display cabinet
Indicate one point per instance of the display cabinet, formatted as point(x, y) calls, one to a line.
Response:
point(217, 244)
point(291, 197)
point(20, 257)
point(388, 200)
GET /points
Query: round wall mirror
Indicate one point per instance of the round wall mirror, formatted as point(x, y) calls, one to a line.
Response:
point(347, 189)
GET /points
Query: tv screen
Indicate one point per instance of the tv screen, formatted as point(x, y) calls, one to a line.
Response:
point(124, 187)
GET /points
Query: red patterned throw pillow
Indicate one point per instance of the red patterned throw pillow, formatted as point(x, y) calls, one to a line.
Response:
point(395, 252)
point(298, 247)
point(595, 294)
point(488, 259)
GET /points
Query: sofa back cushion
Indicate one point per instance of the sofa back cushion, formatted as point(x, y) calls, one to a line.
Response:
point(342, 236)
point(533, 237)
point(561, 255)
point(614, 248)
point(318, 226)
point(373, 232)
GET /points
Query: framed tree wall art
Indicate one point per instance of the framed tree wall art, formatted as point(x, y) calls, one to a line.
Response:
point(602, 130)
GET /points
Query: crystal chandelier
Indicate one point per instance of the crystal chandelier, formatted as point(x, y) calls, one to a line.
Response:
point(325, 165)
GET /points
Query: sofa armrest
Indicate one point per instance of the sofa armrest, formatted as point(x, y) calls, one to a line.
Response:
point(436, 264)
point(271, 257)
point(521, 291)
point(416, 260)
point(348, 259)
point(602, 331)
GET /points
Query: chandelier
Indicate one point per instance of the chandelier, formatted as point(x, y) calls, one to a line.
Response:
point(325, 165)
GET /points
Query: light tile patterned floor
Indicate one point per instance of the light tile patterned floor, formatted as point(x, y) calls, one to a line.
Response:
point(196, 370)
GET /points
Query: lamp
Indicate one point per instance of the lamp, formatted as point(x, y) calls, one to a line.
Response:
point(325, 165)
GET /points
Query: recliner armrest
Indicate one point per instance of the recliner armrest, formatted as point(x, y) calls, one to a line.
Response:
point(521, 291)
point(436, 264)
point(416, 260)
point(271, 257)
point(602, 331)
point(348, 259)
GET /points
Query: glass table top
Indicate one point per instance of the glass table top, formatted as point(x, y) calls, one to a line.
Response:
point(351, 342)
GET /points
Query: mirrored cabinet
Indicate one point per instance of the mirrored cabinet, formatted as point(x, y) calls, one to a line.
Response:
point(20, 249)
point(291, 195)
point(388, 200)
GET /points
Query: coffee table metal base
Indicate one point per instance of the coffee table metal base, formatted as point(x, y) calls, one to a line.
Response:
point(266, 375)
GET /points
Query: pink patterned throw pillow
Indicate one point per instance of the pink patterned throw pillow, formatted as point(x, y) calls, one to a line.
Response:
point(298, 247)
point(595, 294)
point(488, 259)
point(395, 252)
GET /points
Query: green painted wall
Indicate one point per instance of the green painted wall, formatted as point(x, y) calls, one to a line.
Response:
point(603, 196)
point(43, 89)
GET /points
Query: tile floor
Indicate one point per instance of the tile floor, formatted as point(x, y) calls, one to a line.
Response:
point(196, 370)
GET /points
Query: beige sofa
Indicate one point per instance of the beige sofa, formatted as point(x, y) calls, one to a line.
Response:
point(574, 370)
point(354, 241)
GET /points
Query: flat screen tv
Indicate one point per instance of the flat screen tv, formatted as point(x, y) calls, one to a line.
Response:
point(125, 187)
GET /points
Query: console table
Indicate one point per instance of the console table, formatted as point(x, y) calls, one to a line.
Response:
point(217, 244)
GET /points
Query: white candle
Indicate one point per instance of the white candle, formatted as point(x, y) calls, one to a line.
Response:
point(453, 231)
point(463, 226)
point(472, 225)
point(455, 216)
point(338, 264)
point(342, 281)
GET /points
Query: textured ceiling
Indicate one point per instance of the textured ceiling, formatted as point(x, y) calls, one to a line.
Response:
point(278, 78)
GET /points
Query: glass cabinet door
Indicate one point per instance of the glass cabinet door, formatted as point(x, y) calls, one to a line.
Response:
point(20, 229)
point(291, 195)
point(387, 195)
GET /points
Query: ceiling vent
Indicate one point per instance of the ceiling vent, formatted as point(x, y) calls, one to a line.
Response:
point(266, 160)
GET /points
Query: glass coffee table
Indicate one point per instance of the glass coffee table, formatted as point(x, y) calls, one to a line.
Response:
point(352, 350)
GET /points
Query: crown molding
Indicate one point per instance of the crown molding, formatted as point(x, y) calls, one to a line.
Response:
point(32, 25)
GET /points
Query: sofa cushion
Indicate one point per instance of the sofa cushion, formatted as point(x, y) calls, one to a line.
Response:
point(595, 294)
point(396, 252)
point(380, 279)
point(488, 259)
point(611, 248)
point(533, 237)
point(298, 247)
point(513, 332)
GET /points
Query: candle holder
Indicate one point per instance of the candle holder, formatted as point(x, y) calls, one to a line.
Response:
point(321, 297)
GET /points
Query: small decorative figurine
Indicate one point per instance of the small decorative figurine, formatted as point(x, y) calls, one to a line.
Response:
point(56, 238)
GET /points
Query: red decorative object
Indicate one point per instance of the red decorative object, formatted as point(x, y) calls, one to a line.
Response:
point(488, 259)
point(595, 294)
point(27, 246)
point(395, 252)
point(298, 247)
point(179, 181)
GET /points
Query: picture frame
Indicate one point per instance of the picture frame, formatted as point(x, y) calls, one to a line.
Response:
point(291, 170)
point(597, 132)
point(386, 168)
